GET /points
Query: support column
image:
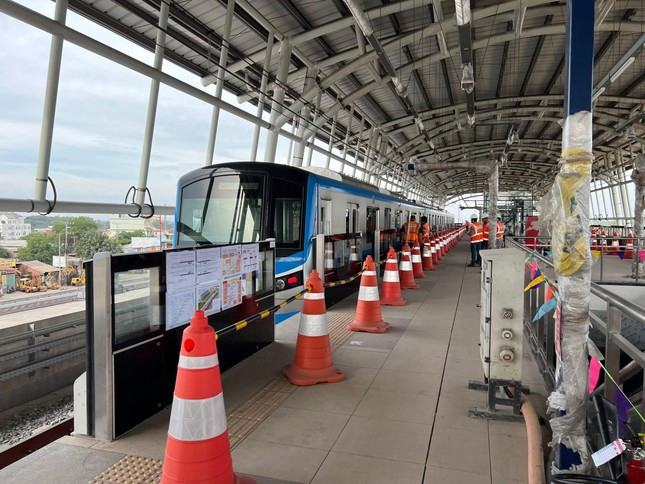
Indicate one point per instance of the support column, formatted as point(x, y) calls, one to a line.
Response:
point(49, 110)
point(219, 86)
point(331, 139)
point(567, 207)
point(493, 190)
point(317, 114)
point(140, 197)
point(305, 112)
point(262, 97)
point(348, 132)
point(638, 176)
point(358, 147)
point(278, 100)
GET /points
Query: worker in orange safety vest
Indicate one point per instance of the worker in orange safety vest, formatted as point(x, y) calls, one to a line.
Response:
point(410, 231)
point(486, 230)
point(500, 232)
point(476, 233)
point(424, 229)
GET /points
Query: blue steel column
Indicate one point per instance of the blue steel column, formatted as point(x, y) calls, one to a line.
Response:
point(569, 206)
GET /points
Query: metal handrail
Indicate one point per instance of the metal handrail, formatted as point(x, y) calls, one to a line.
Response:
point(541, 333)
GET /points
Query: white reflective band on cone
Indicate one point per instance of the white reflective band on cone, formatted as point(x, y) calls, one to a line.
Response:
point(369, 273)
point(433, 249)
point(416, 258)
point(426, 252)
point(313, 324)
point(192, 420)
point(391, 276)
point(329, 264)
point(368, 293)
point(405, 253)
point(406, 265)
point(314, 295)
point(198, 362)
point(353, 256)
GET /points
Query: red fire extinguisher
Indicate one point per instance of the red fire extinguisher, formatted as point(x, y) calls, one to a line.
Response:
point(636, 466)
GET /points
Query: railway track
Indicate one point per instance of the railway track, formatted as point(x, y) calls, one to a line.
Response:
point(35, 442)
point(39, 301)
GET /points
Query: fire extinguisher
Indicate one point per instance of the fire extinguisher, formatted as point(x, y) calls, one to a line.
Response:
point(636, 466)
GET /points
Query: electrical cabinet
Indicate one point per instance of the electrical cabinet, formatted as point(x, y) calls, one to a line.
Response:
point(502, 309)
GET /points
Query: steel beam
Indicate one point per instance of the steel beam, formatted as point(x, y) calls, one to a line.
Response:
point(278, 100)
point(260, 110)
point(49, 110)
point(140, 196)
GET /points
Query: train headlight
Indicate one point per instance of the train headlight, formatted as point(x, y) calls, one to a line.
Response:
point(279, 284)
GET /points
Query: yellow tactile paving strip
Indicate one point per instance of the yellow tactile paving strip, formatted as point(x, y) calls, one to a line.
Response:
point(131, 470)
point(241, 420)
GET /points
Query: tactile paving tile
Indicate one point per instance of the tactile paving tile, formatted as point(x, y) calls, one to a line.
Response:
point(131, 469)
point(338, 333)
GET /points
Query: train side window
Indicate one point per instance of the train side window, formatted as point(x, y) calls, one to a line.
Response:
point(397, 219)
point(347, 220)
point(371, 219)
point(387, 221)
point(287, 213)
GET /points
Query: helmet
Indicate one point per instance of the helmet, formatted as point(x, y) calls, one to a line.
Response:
point(473, 216)
point(484, 215)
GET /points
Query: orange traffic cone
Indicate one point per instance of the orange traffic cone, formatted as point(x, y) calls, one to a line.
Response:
point(312, 363)
point(615, 244)
point(426, 258)
point(354, 264)
point(331, 274)
point(417, 265)
point(439, 246)
point(433, 250)
point(406, 275)
point(629, 247)
point(198, 449)
point(368, 309)
point(391, 288)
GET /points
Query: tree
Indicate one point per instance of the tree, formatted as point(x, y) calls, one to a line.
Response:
point(78, 226)
point(4, 253)
point(90, 243)
point(124, 238)
point(40, 247)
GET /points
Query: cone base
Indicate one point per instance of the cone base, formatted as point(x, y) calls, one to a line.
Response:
point(393, 302)
point(420, 275)
point(410, 287)
point(379, 327)
point(305, 377)
point(430, 269)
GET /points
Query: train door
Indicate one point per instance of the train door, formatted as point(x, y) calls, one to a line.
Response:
point(351, 218)
point(324, 217)
point(371, 224)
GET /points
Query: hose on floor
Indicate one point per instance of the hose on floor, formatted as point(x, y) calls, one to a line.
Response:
point(535, 453)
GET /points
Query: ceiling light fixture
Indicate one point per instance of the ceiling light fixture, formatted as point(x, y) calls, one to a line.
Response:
point(622, 69)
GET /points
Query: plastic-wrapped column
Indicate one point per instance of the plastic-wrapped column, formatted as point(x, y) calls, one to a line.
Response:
point(493, 188)
point(638, 176)
point(565, 212)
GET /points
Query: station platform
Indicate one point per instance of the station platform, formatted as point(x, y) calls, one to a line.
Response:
point(401, 415)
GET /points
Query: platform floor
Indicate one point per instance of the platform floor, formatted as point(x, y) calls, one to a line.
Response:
point(401, 415)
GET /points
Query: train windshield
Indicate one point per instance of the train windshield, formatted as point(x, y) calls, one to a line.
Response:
point(287, 215)
point(222, 210)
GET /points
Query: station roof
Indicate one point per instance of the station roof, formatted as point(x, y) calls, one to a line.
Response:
point(517, 57)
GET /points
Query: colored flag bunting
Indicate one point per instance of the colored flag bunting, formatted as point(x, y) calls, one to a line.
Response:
point(534, 283)
point(549, 292)
point(595, 253)
point(534, 269)
point(545, 309)
point(594, 373)
point(641, 255)
point(621, 254)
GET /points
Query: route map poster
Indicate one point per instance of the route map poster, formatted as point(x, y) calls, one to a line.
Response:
point(209, 265)
point(251, 258)
point(180, 306)
point(231, 260)
point(231, 292)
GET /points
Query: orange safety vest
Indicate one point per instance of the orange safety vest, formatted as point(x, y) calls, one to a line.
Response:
point(426, 234)
point(486, 229)
point(501, 228)
point(411, 231)
point(478, 232)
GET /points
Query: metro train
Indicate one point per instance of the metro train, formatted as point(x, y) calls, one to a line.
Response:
point(239, 202)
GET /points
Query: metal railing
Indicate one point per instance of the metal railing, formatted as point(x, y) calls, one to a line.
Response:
point(608, 268)
point(622, 360)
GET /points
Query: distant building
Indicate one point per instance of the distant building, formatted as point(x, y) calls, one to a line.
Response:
point(124, 223)
point(13, 227)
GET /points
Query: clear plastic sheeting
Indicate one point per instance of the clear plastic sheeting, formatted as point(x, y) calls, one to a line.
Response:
point(638, 176)
point(493, 191)
point(462, 12)
point(564, 213)
point(467, 78)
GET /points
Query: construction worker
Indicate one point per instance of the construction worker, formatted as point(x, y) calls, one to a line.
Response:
point(500, 233)
point(485, 229)
point(424, 230)
point(410, 231)
point(475, 231)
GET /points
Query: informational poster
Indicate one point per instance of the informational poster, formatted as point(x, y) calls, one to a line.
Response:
point(250, 257)
point(231, 292)
point(209, 265)
point(180, 269)
point(208, 297)
point(231, 260)
point(180, 306)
